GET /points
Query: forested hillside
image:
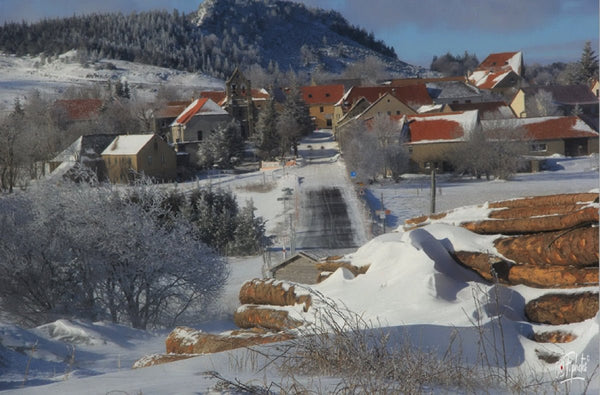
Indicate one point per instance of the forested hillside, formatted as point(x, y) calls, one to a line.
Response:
point(222, 35)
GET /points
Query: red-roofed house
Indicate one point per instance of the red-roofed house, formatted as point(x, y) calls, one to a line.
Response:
point(499, 72)
point(320, 100)
point(79, 110)
point(429, 137)
point(568, 136)
point(195, 123)
point(164, 117)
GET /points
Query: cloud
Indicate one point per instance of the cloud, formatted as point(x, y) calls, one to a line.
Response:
point(481, 15)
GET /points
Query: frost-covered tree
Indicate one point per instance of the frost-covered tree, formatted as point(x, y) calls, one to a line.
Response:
point(95, 252)
point(222, 148)
point(249, 234)
point(496, 152)
point(267, 138)
point(362, 152)
point(542, 104)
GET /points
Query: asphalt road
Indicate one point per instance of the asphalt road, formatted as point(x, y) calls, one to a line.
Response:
point(325, 221)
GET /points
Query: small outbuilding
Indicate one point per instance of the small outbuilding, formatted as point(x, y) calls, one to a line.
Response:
point(299, 268)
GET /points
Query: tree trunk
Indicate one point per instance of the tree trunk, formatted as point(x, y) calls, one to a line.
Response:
point(576, 247)
point(551, 223)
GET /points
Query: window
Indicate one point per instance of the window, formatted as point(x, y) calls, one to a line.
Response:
point(310, 95)
point(538, 147)
point(397, 112)
point(389, 113)
point(329, 122)
point(199, 135)
point(149, 159)
point(321, 109)
point(327, 94)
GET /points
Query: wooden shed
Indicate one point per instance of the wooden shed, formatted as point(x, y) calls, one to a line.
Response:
point(300, 268)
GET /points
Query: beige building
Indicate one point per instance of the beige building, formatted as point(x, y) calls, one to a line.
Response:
point(130, 155)
point(321, 100)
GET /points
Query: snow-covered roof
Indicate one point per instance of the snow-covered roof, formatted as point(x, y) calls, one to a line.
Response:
point(544, 128)
point(129, 144)
point(427, 128)
point(202, 106)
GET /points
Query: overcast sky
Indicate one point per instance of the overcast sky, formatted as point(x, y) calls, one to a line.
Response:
point(545, 30)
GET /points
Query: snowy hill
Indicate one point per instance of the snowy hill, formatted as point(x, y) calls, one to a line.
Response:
point(222, 35)
point(20, 75)
point(292, 35)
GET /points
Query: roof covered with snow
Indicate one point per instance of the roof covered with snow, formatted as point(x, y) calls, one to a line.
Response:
point(487, 110)
point(544, 128)
point(439, 127)
point(503, 61)
point(202, 106)
point(129, 144)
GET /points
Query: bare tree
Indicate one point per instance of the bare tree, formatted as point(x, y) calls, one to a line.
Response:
point(542, 105)
point(495, 152)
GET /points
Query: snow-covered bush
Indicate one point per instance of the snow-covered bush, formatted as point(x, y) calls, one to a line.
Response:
point(96, 252)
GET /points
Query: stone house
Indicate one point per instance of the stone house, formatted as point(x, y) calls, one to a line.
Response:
point(195, 123)
point(129, 155)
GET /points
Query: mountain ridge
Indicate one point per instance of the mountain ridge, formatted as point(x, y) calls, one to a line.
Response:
point(220, 36)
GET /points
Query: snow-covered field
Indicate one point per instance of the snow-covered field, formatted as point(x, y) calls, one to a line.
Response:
point(414, 290)
point(19, 76)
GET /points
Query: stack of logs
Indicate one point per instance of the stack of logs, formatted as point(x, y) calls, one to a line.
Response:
point(543, 242)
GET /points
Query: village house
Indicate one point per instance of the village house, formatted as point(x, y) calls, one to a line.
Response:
point(85, 151)
point(164, 117)
point(414, 96)
point(431, 137)
point(127, 156)
point(195, 123)
point(320, 100)
point(362, 110)
point(499, 72)
point(563, 135)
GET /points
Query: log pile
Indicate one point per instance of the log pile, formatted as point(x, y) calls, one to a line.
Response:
point(548, 242)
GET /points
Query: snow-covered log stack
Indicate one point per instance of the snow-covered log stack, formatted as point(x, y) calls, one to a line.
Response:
point(542, 242)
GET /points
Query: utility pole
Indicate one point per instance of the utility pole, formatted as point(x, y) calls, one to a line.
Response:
point(432, 208)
